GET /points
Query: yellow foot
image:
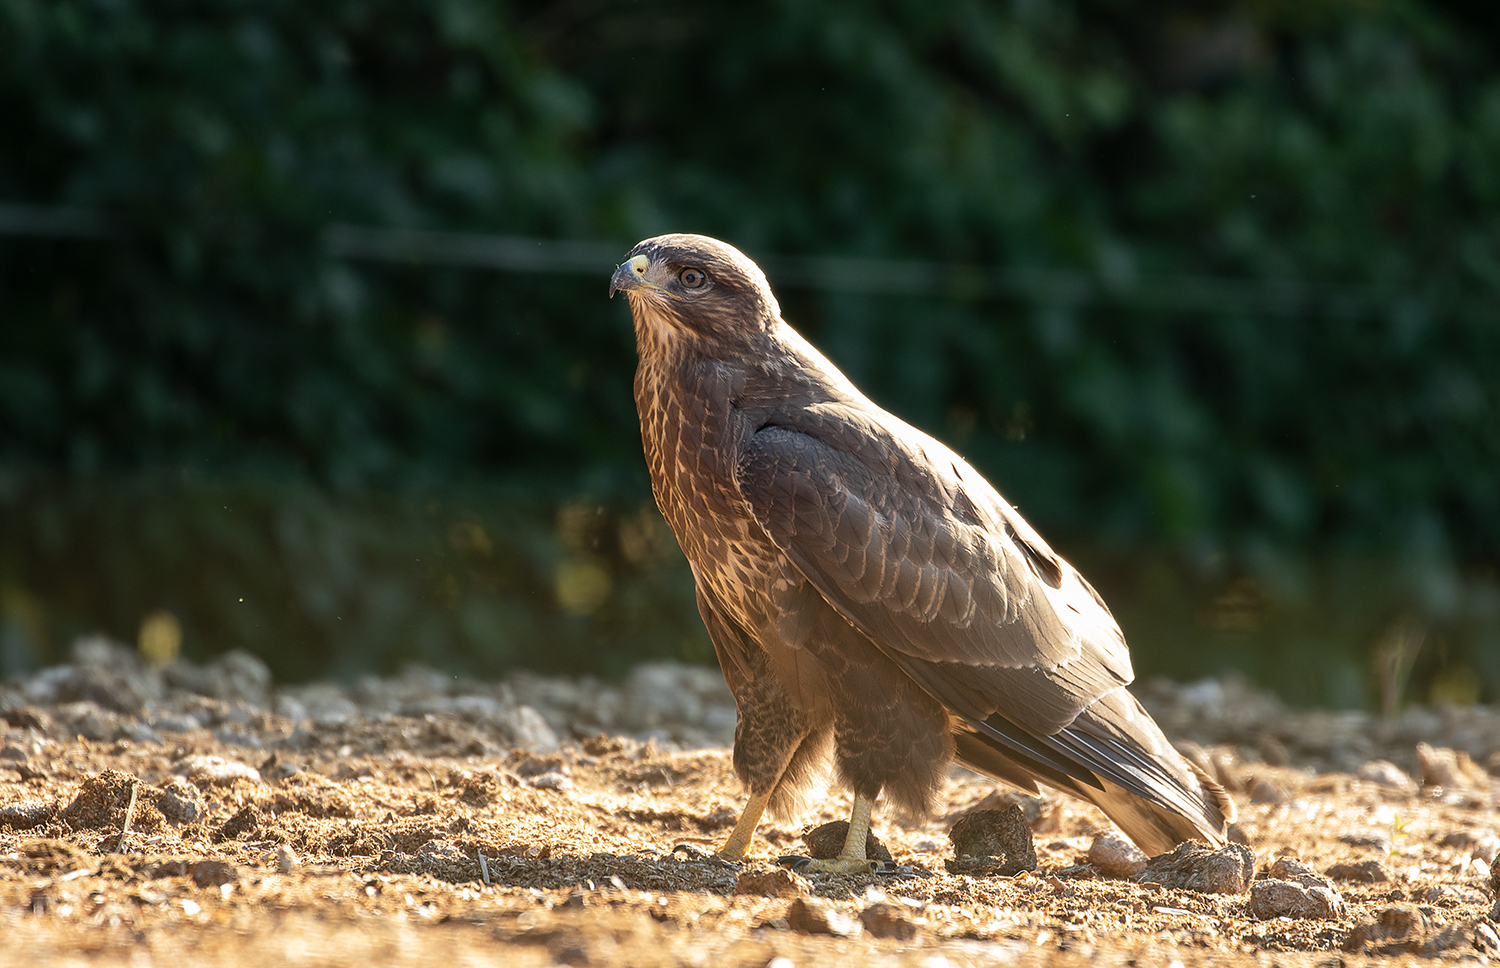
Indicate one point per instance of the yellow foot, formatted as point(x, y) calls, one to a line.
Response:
point(834, 865)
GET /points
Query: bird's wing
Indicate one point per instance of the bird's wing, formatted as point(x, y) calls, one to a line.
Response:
point(916, 550)
point(919, 552)
point(731, 647)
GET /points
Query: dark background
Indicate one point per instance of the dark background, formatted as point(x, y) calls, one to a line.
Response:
point(1208, 290)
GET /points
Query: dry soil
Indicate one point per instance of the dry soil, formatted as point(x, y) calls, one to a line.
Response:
point(422, 839)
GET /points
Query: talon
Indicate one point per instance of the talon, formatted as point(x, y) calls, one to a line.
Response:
point(794, 861)
point(835, 865)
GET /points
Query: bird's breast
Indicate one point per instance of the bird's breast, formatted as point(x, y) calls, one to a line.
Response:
point(691, 434)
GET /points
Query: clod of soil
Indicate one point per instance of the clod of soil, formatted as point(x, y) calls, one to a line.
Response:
point(103, 800)
point(992, 842)
point(1194, 867)
point(825, 841)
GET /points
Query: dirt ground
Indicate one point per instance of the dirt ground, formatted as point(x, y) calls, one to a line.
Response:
point(424, 838)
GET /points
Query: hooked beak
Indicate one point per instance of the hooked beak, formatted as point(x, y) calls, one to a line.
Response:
point(631, 276)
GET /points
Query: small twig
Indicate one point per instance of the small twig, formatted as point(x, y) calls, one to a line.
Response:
point(430, 776)
point(484, 868)
point(135, 789)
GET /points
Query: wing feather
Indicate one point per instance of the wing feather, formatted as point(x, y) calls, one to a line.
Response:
point(922, 555)
point(917, 551)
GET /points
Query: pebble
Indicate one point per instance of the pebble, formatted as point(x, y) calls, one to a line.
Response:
point(1481, 844)
point(1485, 937)
point(474, 709)
point(1292, 890)
point(1373, 839)
point(1397, 929)
point(551, 780)
point(26, 814)
point(1442, 894)
point(1443, 767)
point(1273, 751)
point(88, 719)
point(215, 769)
point(138, 732)
point(883, 920)
point(1386, 774)
point(1365, 872)
point(235, 736)
point(527, 729)
point(1453, 936)
point(1264, 791)
point(810, 915)
point(777, 882)
point(235, 676)
point(213, 873)
point(1275, 898)
point(677, 698)
point(286, 859)
point(174, 723)
point(180, 802)
point(326, 707)
point(1114, 856)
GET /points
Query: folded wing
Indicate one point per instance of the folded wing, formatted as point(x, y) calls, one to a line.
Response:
point(921, 554)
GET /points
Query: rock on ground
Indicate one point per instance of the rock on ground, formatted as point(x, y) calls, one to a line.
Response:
point(1194, 867)
point(1114, 856)
point(1292, 890)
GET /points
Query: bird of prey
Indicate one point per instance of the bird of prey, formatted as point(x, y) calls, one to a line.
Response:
point(872, 600)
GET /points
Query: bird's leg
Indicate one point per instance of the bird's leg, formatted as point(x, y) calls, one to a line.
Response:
point(852, 859)
point(739, 839)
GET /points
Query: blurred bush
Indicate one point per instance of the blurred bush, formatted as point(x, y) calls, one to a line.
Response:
point(1242, 362)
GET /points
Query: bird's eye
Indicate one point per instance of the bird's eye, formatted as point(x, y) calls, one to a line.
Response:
point(692, 278)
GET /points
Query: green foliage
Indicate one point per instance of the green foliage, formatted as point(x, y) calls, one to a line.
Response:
point(1265, 420)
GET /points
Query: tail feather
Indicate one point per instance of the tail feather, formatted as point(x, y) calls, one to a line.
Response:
point(1114, 756)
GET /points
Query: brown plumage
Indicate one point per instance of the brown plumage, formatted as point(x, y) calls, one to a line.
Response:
point(869, 595)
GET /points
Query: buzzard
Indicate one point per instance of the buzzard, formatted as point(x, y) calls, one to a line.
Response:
point(871, 598)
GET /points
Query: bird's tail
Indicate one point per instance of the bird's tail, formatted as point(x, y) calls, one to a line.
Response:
point(1114, 756)
point(1155, 828)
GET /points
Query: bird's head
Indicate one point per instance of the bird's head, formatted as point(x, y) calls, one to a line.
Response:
point(692, 285)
